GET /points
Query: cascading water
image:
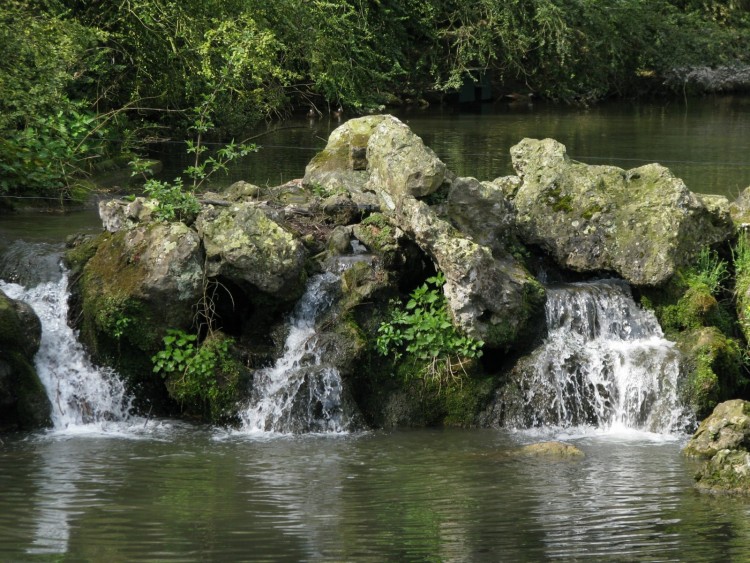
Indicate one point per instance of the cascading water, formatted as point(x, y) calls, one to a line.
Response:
point(604, 363)
point(301, 392)
point(79, 392)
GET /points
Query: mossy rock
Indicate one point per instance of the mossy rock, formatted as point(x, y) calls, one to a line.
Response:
point(726, 428)
point(714, 365)
point(552, 451)
point(728, 472)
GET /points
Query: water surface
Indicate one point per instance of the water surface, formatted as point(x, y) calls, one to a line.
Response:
point(172, 492)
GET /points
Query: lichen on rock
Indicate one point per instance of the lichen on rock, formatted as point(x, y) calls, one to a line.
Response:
point(642, 224)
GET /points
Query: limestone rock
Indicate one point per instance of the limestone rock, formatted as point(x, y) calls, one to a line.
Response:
point(246, 246)
point(399, 163)
point(343, 162)
point(642, 223)
point(724, 439)
point(240, 191)
point(492, 298)
point(481, 210)
point(727, 428)
point(117, 214)
point(739, 209)
point(155, 268)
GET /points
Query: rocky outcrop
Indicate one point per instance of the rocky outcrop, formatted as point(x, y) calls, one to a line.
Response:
point(724, 440)
point(724, 78)
point(491, 298)
point(23, 399)
point(118, 214)
point(642, 224)
point(342, 165)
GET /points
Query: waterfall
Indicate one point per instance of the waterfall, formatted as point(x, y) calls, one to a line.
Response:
point(301, 392)
point(80, 393)
point(605, 363)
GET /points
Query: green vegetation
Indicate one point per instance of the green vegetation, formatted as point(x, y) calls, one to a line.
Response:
point(202, 377)
point(82, 81)
point(694, 310)
point(424, 331)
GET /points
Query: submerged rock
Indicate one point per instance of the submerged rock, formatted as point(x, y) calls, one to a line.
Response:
point(642, 223)
point(23, 399)
point(552, 450)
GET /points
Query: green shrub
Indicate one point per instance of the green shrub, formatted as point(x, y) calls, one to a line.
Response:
point(424, 331)
point(200, 376)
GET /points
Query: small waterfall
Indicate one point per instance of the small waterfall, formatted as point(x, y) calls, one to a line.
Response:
point(604, 363)
point(301, 392)
point(79, 392)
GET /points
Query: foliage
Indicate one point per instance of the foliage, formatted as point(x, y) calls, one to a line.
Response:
point(198, 375)
point(709, 270)
point(424, 331)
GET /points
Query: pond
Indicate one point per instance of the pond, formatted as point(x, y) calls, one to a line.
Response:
point(163, 490)
point(172, 492)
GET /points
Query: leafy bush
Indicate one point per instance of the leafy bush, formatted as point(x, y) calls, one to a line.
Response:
point(201, 376)
point(424, 331)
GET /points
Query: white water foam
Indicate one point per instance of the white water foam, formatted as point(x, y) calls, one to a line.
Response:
point(301, 392)
point(605, 364)
point(85, 398)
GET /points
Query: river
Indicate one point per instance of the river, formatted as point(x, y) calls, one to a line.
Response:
point(163, 490)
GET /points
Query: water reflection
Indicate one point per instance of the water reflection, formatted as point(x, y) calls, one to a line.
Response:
point(185, 493)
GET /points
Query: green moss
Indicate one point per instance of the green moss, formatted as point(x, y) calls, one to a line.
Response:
point(592, 210)
point(715, 368)
point(558, 201)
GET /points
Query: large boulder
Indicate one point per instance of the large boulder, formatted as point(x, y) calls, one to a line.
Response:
point(342, 165)
point(642, 224)
point(491, 297)
point(246, 246)
point(145, 279)
point(400, 164)
point(724, 440)
point(23, 399)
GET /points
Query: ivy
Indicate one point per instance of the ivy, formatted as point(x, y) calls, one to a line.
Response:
point(424, 332)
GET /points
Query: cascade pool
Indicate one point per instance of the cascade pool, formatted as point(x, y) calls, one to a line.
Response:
point(173, 492)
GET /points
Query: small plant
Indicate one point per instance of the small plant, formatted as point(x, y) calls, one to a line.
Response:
point(709, 270)
point(424, 331)
point(199, 374)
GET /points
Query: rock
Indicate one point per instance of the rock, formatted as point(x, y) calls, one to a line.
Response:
point(552, 450)
point(340, 241)
point(739, 209)
point(340, 209)
point(727, 472)
point(23, 400)
point(399, 163)
point(244, 245)
point(727, 428)
point(713, 366)
point(492, 298)
point(642, 224)
point(151, 274)
point(240, 191)
point(117, 214)
point(722, 78)
point(724, 439)
point(343, 162)
point(482, 211)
